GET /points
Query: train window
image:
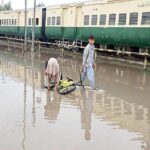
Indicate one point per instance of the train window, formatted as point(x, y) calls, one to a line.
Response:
point(9, 21)
point(146, 18)
point(94, 20)
point(112, 19)
point(133, 19)
point(102, 20)
point(122, 19)
point(86, 20)
point(12, 21)
point(58, 20)
point(4, 21)
point(53, 20)
point(29, 22)
point(0, 22)
point(48, 21)
point(37, 21)
point(15, 22)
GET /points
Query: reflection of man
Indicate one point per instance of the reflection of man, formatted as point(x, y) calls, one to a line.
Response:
point(86, 108)
point(52, 107)
point(146, 145)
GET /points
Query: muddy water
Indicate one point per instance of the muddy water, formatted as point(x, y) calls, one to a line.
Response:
point(116, 117)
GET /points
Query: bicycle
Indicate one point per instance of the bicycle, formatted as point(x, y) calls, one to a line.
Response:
point(67, 86)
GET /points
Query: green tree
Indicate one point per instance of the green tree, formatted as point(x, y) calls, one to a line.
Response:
point(6, 6)
point(40, 5)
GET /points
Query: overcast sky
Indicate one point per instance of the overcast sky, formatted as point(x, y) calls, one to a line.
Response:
point(19, 4)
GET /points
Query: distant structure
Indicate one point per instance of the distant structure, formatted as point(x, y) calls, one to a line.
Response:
point(2, 3)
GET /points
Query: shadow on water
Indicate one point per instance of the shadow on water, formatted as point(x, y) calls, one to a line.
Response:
point(118, 113)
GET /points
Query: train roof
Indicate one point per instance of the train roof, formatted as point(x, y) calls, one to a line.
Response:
point(88, 2)
point(18, 10)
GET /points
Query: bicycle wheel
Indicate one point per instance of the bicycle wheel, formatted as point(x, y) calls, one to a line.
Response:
point(52, 85)
point(67, 89)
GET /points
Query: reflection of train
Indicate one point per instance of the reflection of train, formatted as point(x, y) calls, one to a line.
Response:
point(14, 67)
point(114, 23)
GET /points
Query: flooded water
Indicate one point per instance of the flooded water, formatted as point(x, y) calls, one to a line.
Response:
point(116, 117)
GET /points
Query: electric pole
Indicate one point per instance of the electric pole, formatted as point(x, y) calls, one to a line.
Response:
point(25, 29)
point(33, 29)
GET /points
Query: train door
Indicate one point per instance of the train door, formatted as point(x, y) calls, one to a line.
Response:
point(64, 22)
point(64, 17)
point(78, 16)
point(78, 22)
point(43, 23)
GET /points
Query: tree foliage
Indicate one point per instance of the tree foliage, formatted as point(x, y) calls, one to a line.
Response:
point(40, 5)
point(6, 6)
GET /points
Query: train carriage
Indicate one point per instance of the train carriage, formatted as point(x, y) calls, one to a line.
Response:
point(9, 21)
point(38, 23)
point(114, 23)
point(53, 26)
point(71, 21)
point(62, 22)
point(117, 23)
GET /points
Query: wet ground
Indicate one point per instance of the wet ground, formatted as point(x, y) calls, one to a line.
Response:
point(116, 117)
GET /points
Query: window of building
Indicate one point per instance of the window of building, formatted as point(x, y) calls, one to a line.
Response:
point(86, 20)
point(146, 18)
point(102, 20)
point(112, 19)
point(37, 21)
point(122, 19)
point(48, 21)
point(94, 20)
point(133, 19)
point(53, 20)
point(58, 20)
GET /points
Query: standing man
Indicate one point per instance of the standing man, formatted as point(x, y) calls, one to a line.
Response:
point(88, 64)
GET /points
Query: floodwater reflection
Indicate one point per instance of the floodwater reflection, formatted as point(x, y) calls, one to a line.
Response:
point(86, 107)
point(52, 106)
point(115, 117)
